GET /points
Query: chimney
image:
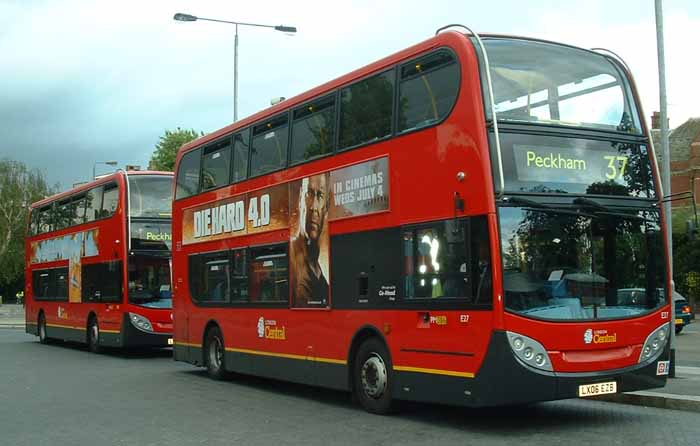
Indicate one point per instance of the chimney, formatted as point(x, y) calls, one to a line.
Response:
point(656, 121)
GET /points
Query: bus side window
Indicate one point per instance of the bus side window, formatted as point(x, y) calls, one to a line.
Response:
point(94, 203)
point(210, 277)
point(33, 222)
point(102, 282)
point(63, 215)
point(216, 164)
point(241, 144)
point(269, 146)
point(366, 110)
point(239, 276)
point(448, 259)
point(269, 274)
point(188, 175)
point(45, 217)
point(427, 90)
point(110, 200)
point(313, 130)
point(78, 210)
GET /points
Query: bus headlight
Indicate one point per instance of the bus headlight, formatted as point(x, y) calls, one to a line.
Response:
point(655, 343)
point(529, 351)
point(141, 322)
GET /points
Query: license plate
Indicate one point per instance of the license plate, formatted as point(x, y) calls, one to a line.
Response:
point(679, 321)
point(587, 390)
point(170, 341)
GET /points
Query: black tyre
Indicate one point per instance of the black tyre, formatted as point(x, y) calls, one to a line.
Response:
point(373, 377)
point(215, 354)
point(93, 336)
point(679, 329)
point(41, 328)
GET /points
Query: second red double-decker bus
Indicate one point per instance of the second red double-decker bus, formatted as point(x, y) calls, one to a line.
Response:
point(98, 263)
point(460, 222)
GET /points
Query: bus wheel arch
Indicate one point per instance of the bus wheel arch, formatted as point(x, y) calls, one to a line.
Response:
point(92, 333)
point(370, 339)
point(214, 351)
point(41, 327)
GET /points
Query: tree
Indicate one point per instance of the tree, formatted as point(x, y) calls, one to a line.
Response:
point(163, 157)
point(19, 188)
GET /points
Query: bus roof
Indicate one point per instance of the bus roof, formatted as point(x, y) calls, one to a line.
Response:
point(446, 38)
point(89, 185)
point(449, 37)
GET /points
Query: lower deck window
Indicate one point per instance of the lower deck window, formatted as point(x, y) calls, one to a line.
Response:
point(448, 259)
point(102, 282)
point(269, 278)
point(50, 284)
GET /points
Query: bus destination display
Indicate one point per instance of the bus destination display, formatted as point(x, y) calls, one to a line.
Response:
point(569, 165)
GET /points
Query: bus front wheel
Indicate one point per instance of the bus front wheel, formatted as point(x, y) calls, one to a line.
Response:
point(373, 377)
point(214, 353)
point(93, 336)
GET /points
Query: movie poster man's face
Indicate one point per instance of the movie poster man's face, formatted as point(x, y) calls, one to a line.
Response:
point(309, 241)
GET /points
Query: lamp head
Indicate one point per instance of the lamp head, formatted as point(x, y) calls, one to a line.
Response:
point(286, 29)
point(180, 17)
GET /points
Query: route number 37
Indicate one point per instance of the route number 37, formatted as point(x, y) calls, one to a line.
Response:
point(616, 166)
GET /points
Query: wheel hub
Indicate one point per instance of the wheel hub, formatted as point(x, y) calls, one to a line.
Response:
point(374, 376)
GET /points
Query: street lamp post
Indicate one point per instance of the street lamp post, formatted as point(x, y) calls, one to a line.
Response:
point(190, 18)
point(107, 163)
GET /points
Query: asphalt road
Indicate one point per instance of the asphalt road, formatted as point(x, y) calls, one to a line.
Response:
point(688, 345)
point(61, 395)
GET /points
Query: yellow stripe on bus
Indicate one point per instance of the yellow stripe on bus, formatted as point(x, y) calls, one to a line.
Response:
point(187, 344)
point(433, 371)
point(262, 353)
point(72, 327)
point(285, 355)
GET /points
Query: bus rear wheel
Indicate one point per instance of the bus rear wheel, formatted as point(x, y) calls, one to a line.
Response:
point(42, 329)
point(93, 336)
point(372, 381)
point(214, 354)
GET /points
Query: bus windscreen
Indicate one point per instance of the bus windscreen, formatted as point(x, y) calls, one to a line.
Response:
point(150, 196)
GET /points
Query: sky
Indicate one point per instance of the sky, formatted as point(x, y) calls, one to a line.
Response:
point(91, 81)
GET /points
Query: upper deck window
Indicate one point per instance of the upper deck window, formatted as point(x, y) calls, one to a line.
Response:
point(188, 174)
point(216, 164)
point(94, 203)
point(241, 144)
point(269, 151)
point(366, 110)
point(427, 90)
point(313, 131)
point(110, 200)
point(150, 196)
point(554, 84)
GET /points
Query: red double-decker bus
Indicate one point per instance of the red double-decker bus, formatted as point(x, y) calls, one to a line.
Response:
point(98, 263)
point(461, 222)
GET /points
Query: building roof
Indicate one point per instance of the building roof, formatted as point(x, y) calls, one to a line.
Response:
point(682, 137)
point(679, 140)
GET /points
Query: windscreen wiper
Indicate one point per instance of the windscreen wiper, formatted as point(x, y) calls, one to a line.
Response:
point(531, 204)
point(601, 209)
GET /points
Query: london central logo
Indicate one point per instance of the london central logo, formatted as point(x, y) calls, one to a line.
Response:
point(599, 337)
